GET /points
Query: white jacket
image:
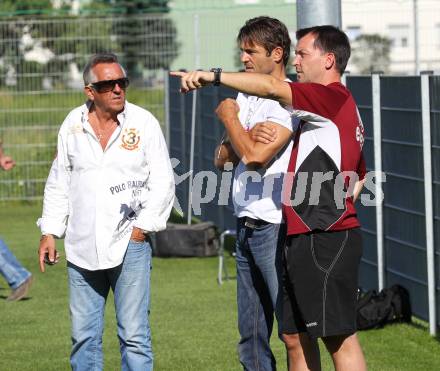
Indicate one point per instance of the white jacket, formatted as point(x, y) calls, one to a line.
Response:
point(96, 197)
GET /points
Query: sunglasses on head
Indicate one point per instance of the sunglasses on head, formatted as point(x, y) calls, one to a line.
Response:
point(108, 85)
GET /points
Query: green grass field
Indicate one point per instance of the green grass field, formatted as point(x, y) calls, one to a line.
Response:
point(193, 319)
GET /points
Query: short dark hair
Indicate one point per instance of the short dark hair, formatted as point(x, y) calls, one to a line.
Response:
point(330, 39)
point(98, 59)
point(267, 32)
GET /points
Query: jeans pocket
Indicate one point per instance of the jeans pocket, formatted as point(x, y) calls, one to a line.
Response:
point(135, 249)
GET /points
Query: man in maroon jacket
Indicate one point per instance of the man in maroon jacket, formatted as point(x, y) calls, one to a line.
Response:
point(326, 173)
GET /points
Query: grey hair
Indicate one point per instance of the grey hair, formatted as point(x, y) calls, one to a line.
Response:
point(89, 76)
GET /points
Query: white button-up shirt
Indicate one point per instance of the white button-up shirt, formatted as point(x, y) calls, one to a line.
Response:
point(95, 197)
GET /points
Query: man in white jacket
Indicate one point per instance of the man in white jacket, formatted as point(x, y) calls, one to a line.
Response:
point(110, 185)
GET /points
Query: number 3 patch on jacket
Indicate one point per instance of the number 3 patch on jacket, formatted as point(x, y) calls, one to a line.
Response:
point(130, 139)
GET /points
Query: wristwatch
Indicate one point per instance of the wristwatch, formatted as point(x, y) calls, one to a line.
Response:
point(217, 73)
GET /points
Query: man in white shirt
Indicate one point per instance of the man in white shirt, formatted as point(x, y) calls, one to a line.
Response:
point(258, 179)
point(110, 185)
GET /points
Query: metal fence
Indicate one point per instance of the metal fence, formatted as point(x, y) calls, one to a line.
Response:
point(41, 65)
point(402, 217)
point(398, 240)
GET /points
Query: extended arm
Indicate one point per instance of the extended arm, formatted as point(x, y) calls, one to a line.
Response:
point(261, 85)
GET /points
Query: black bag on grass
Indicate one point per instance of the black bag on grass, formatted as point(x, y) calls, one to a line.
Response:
point(181, 240)
point(374, 310)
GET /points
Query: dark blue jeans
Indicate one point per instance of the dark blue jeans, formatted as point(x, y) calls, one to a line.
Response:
point(259, 271)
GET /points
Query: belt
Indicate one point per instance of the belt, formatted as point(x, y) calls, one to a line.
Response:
point(253, 223)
